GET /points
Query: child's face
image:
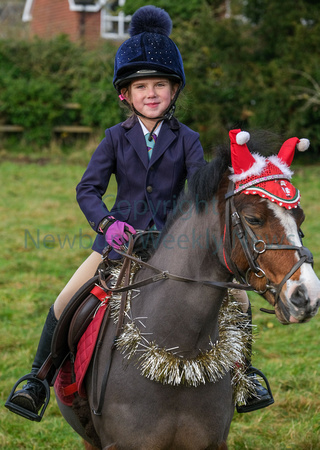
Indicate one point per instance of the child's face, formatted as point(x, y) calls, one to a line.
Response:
point(150, 96)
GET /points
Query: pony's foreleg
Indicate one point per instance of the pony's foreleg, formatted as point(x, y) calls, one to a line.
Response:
point(88, 446)
point(223, 446)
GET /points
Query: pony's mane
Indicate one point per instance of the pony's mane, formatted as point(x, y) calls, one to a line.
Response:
point(205, 182)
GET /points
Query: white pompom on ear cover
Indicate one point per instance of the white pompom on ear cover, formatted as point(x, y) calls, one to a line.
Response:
point(303, 145)
point(242, 137)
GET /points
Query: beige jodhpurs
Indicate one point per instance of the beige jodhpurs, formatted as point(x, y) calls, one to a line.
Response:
point(82, 275)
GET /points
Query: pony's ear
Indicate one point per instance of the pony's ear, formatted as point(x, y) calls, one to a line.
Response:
point(241, 158)
point(287, 149)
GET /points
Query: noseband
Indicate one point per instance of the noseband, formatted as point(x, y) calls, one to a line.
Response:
point(253, 247)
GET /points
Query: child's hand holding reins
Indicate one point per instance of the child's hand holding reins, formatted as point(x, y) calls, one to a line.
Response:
point(116, 233)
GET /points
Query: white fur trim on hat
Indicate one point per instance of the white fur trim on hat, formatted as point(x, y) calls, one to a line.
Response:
point(281, 165)
point(255, 170)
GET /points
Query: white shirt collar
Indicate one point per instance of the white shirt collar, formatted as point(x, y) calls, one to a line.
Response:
point(146, 131)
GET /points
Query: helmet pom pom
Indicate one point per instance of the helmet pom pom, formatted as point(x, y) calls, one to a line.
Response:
point(242, 137)
point(303, 145)
point(150, 19)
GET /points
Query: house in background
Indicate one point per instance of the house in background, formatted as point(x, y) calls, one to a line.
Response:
point(83, 20)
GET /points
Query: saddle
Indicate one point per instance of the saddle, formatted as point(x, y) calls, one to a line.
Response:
point(76, 318)
point(71, 376)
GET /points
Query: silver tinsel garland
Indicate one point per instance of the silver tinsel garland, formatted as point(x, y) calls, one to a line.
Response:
point(164, 366)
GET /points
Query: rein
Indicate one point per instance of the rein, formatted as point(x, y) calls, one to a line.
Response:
point(166, 275)
point(235, 221)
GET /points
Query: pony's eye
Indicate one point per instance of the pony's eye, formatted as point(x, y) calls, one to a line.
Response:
point(254, 221)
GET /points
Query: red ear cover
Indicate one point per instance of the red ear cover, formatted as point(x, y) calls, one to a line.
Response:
point(241, 158)
point(286, 152)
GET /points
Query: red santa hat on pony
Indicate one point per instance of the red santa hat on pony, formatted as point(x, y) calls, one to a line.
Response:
point(268, 177)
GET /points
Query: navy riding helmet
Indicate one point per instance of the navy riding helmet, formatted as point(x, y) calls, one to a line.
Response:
point(149, 51)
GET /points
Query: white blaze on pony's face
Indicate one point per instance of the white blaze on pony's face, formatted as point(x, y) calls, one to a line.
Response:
point(301, 295)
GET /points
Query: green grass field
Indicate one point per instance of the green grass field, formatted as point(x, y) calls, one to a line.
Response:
point(45, 237)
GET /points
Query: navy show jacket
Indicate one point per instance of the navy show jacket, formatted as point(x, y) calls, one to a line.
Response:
point(146, 190)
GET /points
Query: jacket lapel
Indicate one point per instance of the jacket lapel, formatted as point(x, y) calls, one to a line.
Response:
point(165, 139)
point(136, 138)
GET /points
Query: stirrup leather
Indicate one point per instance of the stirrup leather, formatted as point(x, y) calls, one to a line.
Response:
point(25, 412)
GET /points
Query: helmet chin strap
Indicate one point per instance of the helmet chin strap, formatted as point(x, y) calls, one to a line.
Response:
point(167, 115)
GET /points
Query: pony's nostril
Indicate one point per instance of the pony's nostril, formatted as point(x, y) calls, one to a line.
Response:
point(300, 297)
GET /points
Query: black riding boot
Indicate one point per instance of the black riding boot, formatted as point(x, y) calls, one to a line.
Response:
point(263, 397)
point(32, 396)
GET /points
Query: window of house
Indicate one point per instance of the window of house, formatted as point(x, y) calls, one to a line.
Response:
point(114, 23)
point(86, 5)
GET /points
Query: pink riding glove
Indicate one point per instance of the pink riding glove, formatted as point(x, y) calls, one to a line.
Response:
point(116, 234)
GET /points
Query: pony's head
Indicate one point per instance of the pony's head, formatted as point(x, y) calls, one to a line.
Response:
point(265, 246)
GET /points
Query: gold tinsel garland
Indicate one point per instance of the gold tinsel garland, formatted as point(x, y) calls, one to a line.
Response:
point(162, 365)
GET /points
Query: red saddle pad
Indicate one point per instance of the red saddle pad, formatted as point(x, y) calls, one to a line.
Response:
point(64, 387)
point(86, 348)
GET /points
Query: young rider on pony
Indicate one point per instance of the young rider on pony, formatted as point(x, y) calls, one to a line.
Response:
point(148, 76)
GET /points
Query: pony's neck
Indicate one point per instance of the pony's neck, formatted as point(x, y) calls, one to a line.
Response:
point(186, 250)
point(192, 247)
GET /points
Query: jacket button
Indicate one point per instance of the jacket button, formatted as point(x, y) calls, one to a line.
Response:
point(149, 189)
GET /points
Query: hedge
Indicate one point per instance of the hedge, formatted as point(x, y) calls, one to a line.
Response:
point(39, 78)
point(234, 79)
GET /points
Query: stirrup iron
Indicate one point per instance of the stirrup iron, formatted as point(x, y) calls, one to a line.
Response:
point(25, 412)
point(258, 372)
point(260, 404)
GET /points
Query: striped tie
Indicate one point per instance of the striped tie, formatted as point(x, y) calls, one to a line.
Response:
point(150, 143)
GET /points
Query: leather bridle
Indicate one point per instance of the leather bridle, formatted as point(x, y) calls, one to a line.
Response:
point(253, 247)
